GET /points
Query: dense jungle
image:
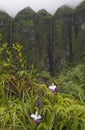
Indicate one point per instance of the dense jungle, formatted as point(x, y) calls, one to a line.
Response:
point(42, 69)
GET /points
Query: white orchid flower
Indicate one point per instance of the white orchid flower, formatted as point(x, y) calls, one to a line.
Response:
point(36, 117)
point(52, 88)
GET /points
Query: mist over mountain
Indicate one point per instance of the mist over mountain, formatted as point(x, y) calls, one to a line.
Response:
point(44, 36)
point(12, 7)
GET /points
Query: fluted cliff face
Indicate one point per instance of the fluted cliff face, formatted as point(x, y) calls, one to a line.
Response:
point(5, 23)
point(42, 31)
point(24, 32)
point(79, 26)
point(49, 41)
point(62, 36)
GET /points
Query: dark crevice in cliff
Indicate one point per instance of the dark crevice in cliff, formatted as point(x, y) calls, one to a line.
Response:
point(49, 42)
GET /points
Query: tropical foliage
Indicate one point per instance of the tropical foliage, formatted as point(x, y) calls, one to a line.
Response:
point(23, 92)
point(43, 88)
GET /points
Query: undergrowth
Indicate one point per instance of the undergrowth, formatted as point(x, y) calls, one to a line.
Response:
point(24, 91)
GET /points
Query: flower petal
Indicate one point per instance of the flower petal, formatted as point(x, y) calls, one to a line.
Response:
point(38, 116)
point(33, 115)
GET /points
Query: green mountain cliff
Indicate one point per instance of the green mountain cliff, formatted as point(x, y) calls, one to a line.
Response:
point(49, 42)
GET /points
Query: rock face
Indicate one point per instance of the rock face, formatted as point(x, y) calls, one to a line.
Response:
point(42, 31)
point(24, 32)
point(62, 34)
point(49, 41)
point(79, 25)
point(5, 26)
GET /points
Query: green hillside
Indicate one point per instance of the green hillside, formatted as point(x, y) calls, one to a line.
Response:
point(42, 70)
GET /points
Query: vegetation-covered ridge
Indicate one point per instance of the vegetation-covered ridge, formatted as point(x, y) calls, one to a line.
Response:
point(44, 37)
point(27, 103)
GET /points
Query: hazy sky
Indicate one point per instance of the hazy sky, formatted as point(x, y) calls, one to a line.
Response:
point(12, 7)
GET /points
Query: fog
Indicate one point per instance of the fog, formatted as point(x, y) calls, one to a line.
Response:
point(12, 7)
